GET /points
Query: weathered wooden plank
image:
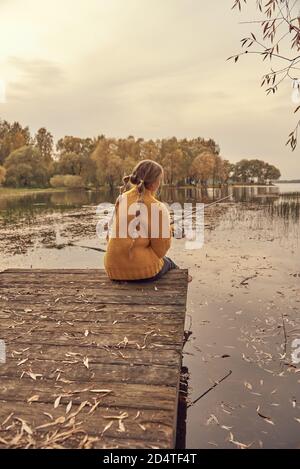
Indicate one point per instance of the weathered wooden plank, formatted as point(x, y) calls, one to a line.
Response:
point(96, 354)
point(94, 328)
point(102, 308)
point(40, 298)
point(116, 337)
point(157, 425)
point(39, 315)
point(83, 283)
point(128, 395)
point(96, 372)
point(177, 273)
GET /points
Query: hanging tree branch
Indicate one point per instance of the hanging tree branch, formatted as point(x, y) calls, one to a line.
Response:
point(279, 30)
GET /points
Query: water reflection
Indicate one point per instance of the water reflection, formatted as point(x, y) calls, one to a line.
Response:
point(276, 200)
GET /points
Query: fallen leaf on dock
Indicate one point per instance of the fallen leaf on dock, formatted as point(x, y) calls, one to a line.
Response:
point(123, 416)
point(34, 398)
point(6, 420)
point(33, 376)
point(69, 407)
point(107, 427)
point(58, 421)
point(57, 402)
point(121, 427)
point(25, 427)
point(86, 362)
point(22, 362)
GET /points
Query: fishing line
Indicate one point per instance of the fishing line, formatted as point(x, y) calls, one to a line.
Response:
point(104, 250)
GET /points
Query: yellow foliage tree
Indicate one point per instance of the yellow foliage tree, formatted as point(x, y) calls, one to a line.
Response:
point(2, 174)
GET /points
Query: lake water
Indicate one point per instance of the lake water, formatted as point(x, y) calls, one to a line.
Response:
point(245, 293)
point(28, 206)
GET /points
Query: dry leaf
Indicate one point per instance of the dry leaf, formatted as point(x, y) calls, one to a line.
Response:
point(124, 415)
point(33, 376)
point(121, 427)
point(57, 402)
point(266, 419)
point(107, 427)
point(82, 405)
point(69, 407)
point(238, 443)
point(86, 362)
point(22, 362)
point(34, 398)
point(51, 424)
point(6, 420)
point(25, 427)
point(248, 385)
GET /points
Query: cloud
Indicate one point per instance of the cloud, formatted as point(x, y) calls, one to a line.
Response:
point(32, 76)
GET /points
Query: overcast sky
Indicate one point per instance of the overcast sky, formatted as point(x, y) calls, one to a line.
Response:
point(149, 68)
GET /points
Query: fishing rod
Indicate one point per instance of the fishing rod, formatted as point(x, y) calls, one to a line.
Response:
point(60, 246)
point(72, 245)
point(205, 206)
point(217, 201)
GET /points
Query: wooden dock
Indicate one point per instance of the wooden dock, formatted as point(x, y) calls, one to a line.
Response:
point(90, 363)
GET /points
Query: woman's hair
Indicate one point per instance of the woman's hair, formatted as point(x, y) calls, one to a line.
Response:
point(144, 174)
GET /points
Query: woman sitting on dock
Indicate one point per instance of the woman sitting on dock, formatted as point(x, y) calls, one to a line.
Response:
point(142, 233)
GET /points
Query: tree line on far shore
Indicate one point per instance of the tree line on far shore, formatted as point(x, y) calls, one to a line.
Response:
point(35, 161)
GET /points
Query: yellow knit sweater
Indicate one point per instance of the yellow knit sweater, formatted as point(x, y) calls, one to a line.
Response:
point(141, 258)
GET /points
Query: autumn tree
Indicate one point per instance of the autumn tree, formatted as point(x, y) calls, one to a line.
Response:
point(242, 171)
point(44, 143)
point(75, 158)
point(129, 147)
point(272, 173)
point(108, 163)
point(173, 160)
point(80, 146)
point(275, 36)
point(128, 165)
point(249, 170)
point(150, 150)
point(26, 167)
point(12, 137)
point(173, 164)
point(70, 163)
point(202, 168)
point(226, 171)
point(2, 174)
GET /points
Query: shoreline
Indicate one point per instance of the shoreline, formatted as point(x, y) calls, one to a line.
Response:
point(23, 191)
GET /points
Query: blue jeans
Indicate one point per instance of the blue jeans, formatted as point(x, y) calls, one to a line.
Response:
point(168, 265)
